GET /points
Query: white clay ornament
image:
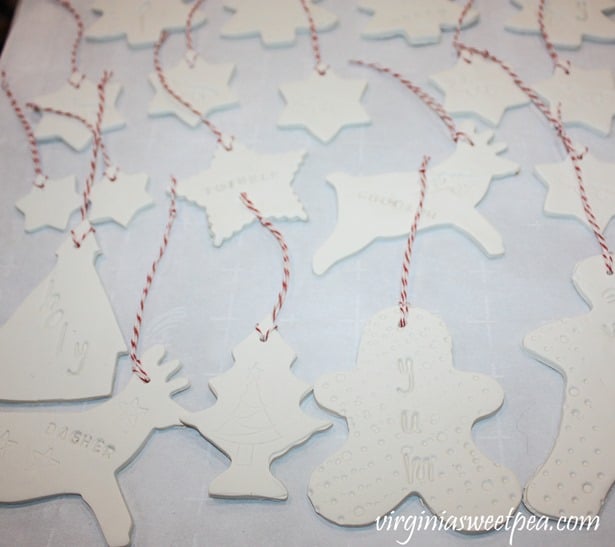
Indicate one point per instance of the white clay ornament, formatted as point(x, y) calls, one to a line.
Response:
point(420, 22)
point(478, 87)
point(568, 22)
point(256, 418)
point(585, 97)
point(276, 22)
point(410, 417)
point(45, 453)
point(379, 206)
point(323, 104)
point(63, 340)
point(50, 206)
point(202, 84)
point(563, 198)
point(578, 474)
point(266, 177)
point(118, 197)
point(140, 21)
point(81, 101)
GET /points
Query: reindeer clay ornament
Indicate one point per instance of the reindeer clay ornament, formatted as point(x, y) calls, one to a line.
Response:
point(410, 415)
point(257, 417)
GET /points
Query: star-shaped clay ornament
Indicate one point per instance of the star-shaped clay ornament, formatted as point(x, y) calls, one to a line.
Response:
point(563, 198)
point(323, 104)
point(276, 21)
point(586, 97)
point(420, 22)
point(51, 205)
point(202, 84)
point(578, 474)
point(478, 87)
point(83, 101)
point(266, 178)
point(567, 22)
point(141, 21)
point(119, 198)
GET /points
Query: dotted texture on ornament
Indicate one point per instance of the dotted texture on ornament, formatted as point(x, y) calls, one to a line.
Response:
point(420, 22)
point(266, 178)
point(568, 22)
point(45, 453)
point(579, 472)
point(563, 197)
point(410, 417)
point(478, 87)
point(140, 21)
point(381, 205)
point(63, 340)
point(82, 101)
point(585, 97)
point(276, 21)
point(256, 418)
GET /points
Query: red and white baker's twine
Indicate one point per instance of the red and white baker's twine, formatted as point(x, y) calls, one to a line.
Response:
point(188, 31)
point(264, 336)
point(74, 65)
point(557, 63)
point(320, 67)
point(555, 120)
point(165, 84)
point(137, 366)
point(404, 306)
point(430, 101)
point(34, 152)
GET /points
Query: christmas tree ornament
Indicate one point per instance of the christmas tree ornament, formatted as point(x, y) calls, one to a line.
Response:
point(277, 23)
point(410, 416)
point(235, 169)
point(420, 22)
point(324, 103)
point(568, 21)
point(78, 96)
point(50, 202)
point(203, 84)
point(578, 474)
point(63, 340)
point(141, 22)
point(257, 417)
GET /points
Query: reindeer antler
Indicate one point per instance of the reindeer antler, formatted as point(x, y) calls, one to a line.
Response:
point(161, 373)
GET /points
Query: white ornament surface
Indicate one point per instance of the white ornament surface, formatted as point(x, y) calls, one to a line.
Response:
point(420, 22)
point(266, 178)
point(121, 199)
point(83, 101)
point(257, 417)
point(140, 21)
point(478, 87)
point(276, 22)
point(568, 22)
point(202, 84)
point(563, 196)
point(410, 416)
point(382, 205)
point(586, 97)
point(63, 340)
point(579, 473)
point(45, 453)
point(323, 104)
point(50, 206)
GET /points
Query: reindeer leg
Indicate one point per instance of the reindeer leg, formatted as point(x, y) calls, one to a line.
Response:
point(342, 243)
point(469, 221)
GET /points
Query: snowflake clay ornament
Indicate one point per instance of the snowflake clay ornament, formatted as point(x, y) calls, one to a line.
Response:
point(563, 198)
point(578, 473)
point(420, 22)
point(568, 22)
point(378, 206)
point(410, 416)
point(140, 21)
point(276, 23)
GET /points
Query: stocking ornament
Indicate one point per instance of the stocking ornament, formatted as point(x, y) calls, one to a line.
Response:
point(257, 417)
